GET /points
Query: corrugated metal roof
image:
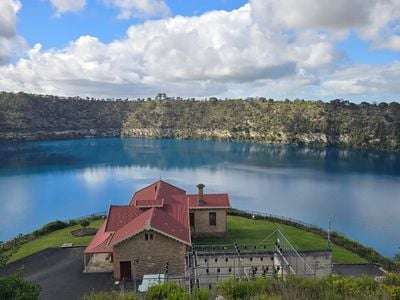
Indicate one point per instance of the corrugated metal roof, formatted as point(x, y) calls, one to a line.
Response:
point(120, 215)
point(210, 200)
point(161, 207)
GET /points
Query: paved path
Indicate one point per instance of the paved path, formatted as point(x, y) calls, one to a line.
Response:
point(59, 272)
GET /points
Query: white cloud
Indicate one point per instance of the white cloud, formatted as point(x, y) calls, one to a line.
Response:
point(253, 50)
point(371, 19)
point(8, 24)
point(186, 55)
point(392, 43)
point(140, 8)
point(372, 80)
point(63, 6)
point(338, 14)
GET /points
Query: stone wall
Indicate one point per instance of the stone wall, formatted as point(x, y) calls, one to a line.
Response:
point(320, 261)
point(152, 254)
point(202, 226)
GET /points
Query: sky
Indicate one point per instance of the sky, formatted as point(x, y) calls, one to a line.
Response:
point(292, 49)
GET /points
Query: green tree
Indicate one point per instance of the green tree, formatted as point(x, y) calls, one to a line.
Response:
point(396, 257)
point(4, 256)
point(16, 288)
point(84, 223)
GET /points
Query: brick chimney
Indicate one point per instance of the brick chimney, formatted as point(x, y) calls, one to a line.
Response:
point(201, 186)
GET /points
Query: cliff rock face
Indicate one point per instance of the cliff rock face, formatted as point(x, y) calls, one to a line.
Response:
point(339, 123)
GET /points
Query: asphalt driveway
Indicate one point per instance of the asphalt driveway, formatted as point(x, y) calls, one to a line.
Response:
point(59, 272)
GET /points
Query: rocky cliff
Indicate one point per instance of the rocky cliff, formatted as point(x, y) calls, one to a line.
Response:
point(338, 123)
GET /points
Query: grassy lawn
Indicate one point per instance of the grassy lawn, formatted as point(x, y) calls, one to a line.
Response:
point(240, 230)
point(54, 239)
point(246, 231)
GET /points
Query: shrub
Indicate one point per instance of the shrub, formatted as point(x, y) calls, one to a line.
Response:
point(392, 279)
point(84, 223)
point(16, 288)
point(113, 295)
point(200, 294)
point(167, 291)
point(241, 289)
point(52, 226)
point(331, 288)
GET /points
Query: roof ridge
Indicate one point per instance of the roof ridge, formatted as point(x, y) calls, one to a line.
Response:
point(158, 186)
point(208, 194)
point(171, 185)
point(143, 188)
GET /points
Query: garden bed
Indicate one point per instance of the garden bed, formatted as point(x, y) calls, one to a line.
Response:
point(84, 232)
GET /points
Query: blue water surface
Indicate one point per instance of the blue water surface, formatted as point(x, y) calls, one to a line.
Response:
point(358, 191)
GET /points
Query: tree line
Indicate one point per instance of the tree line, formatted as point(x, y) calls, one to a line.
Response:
point(315, 123)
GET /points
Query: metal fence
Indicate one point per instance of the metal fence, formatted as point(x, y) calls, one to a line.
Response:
point(281, 218)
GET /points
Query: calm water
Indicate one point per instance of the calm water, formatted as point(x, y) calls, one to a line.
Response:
point(359, 191)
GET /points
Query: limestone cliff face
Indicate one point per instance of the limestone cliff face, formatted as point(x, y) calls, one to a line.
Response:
point(30, 117)
point(57, 134)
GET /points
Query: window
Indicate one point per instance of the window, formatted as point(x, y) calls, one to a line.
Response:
point(191, 217)
point(213, 219)
point(148, 236)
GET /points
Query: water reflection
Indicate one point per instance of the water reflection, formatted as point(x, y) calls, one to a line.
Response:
point(357, 190)
point(166, 154)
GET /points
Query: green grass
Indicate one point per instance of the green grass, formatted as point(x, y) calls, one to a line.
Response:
point(240, 230)
point(245, 231)
point(54, 239)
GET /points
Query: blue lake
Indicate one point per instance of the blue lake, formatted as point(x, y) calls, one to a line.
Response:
point(359, 191)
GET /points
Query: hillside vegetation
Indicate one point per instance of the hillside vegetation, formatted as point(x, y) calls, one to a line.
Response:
point(331, 288)
point(338, 123)
point(240, 230)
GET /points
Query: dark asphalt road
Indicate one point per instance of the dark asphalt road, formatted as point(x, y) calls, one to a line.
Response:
point(59, 272)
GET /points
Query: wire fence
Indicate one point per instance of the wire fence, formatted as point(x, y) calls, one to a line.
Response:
point(251, 213)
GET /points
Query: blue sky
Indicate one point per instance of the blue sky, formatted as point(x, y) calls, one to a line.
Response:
point(226, 48)
point(359, 51)
point(38, 23)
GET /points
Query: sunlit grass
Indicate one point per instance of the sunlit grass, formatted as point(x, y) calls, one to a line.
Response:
point(246, 231)
point(240, 230)
point(54, 239)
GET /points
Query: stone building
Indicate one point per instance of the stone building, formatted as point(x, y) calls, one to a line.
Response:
point(152, 234)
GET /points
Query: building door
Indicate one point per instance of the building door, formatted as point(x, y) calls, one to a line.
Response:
point(126, 270)
point(191, 219)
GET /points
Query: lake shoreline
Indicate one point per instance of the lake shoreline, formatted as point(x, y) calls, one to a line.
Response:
point(314, 123)
point(67, 178)
point(92, 134)
point(369, 254)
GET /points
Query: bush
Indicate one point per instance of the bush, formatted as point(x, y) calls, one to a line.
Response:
point(200, 294)
point(84, 223)
point(310, 289)
point(167, 291)
point(16, 288)
point(242, 289)
point(114, 295)
point(52, 226)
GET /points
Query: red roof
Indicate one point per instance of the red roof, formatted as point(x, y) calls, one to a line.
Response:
point(210, 201)
point(135, 226)
point(161, 207)
point(119, 216)
point(149, 203)
point(100, 241)
point(156, 191)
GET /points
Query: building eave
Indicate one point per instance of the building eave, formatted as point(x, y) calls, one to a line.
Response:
point(152, 229)
point(210, 207)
